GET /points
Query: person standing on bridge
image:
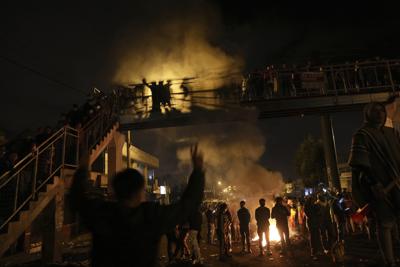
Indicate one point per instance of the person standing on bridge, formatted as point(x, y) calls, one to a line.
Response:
point(263, 215)
point(155, 95)
point(127, 232)
point(244, 221)
point(375, 162)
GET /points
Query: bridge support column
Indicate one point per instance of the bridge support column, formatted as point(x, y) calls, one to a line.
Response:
point(330, 151)
point(128, 145)
point(115, 161)
point(53, 219)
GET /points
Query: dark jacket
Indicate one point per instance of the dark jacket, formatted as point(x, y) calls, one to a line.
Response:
point(124, 237)
point(195, 220)
point(244, 216)
point(262, 216)
point(280, 213)
point(312, 212)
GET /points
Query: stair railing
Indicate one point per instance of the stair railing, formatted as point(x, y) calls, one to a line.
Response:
point(30, 175)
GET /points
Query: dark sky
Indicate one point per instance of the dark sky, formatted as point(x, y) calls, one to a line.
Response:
point(76, 42)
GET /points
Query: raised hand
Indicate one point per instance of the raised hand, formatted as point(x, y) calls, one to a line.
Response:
point(197, 157)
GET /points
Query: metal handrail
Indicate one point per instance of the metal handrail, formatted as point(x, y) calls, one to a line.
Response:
point(27, 177)
point(350, 78)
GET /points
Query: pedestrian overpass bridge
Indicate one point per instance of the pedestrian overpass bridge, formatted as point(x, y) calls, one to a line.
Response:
point(278, 92)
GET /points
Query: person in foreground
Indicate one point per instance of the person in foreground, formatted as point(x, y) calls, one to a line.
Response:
point(126, 232)
point(375, 162)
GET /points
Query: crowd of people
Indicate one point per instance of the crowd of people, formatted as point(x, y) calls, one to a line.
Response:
point(276, 81)
point(16, 149)
point(49, 157)
point(310, 216)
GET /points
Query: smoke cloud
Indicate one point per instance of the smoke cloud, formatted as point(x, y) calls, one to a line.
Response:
point(232, 155)
point(176, 43)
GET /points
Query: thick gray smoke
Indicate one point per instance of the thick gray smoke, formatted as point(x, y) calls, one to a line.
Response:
point(232, 155)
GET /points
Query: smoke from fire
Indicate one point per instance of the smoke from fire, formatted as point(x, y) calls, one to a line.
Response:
point(232, 155)
point(176, 43)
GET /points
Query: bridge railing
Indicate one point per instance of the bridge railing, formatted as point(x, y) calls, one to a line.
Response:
point(350, 78)
point(30, 175)
point(61, 150)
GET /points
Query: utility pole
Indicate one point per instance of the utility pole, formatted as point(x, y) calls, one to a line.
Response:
point(328, 139)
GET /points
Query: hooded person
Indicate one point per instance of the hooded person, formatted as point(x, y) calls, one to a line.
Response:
point(375, 162)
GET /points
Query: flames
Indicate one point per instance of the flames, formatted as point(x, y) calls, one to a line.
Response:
point(273, 231)
point(273, 234)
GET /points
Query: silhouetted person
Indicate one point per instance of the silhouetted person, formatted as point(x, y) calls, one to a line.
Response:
point(311, 209)
point(325, 222)
point(166, 93)
point(281, 213)
point(127, 232)
point(155, 95)
point(211, 219)
point(184, 87)
point(338, 208)
point(224, 222)
point(244, 221)
point(375, 162)
point(262, 217)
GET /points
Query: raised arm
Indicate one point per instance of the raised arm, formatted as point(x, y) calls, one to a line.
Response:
point(169, 216)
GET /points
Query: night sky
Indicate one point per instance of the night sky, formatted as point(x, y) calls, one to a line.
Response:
point(73, 46)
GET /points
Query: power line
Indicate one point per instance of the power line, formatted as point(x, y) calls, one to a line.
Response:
point(41, 74)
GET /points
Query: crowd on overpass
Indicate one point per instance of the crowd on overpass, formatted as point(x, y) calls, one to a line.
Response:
point(25, 145)
point(285, 81)
point(17, 148)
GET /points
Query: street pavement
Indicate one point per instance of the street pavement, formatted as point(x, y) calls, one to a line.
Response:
point(299, 256)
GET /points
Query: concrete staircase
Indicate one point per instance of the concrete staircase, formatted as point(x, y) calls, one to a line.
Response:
point(25, 217)
point(56, 185)
point(96, 151)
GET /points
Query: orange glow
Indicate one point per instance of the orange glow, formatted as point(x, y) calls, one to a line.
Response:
point(273, 234)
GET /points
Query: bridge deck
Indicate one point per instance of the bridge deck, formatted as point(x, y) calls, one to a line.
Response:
point(261, 109)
